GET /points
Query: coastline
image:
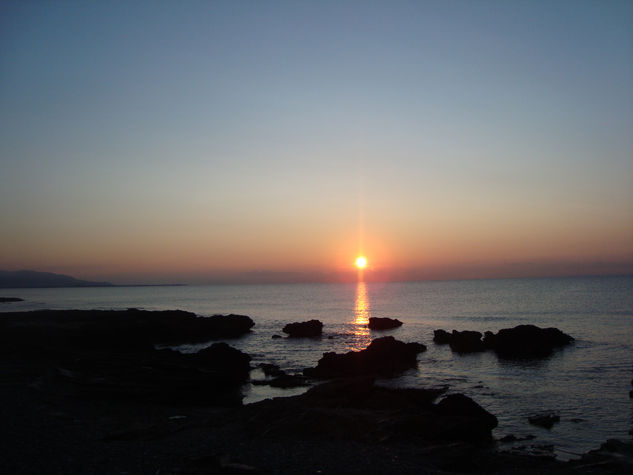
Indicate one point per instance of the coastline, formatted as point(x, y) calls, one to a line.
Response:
point(59, 422)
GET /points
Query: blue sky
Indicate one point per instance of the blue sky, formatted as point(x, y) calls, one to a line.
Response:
point(195, 138)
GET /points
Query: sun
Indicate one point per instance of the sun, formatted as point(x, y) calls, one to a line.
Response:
point(361, 262)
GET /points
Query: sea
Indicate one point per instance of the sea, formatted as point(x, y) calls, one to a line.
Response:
point(586, 384)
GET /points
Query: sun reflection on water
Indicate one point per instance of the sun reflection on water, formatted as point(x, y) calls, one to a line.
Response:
point(361, 318)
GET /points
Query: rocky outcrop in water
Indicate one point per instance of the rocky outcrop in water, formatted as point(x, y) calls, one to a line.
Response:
point(529, 341)
point(441, 337)
point(384, 356)
point(466, 342)
point(383, 323)
point(125, 330)
point(523, 341)
point(311, 328)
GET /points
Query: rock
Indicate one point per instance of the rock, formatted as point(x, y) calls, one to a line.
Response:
point(385, 356)
point(286, 381)
point(513, 438)
point(310, 328)
point(224, 359)
point(276, 337)
point(466, 342)
point(489, 340)
point(122, 330)
point(441, 337)
point(544, 420)
point(357, 410)
point(529, 341)
point(10, 299)
point(464, 419)
point(110, 356)
point(385, 323)
point(271, 369)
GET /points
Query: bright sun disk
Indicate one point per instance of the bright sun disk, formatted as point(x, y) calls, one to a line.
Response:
point(361, 262)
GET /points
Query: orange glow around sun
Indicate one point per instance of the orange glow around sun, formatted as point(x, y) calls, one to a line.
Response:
point(361, 262)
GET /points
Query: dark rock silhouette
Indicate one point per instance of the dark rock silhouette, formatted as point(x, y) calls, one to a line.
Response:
point(110, 355)
point(529, 341)
point(466, 342)
point(513, 438)
point(544, 420)
point(276, 337)
point(464, 419)
point(441, 337)
point(489, 340)
point(523, 341)
point(222, 358)
point(383, 323)
point(271, 369)
point(356, 409)
point(127, 330)
point(284, 381)
point(307, 329)
point(384, 356)
point(10, 299)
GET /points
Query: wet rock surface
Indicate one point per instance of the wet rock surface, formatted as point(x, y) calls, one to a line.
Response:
point(309, 329)
point(384, 356)
point(383, 323)
point(523, 341)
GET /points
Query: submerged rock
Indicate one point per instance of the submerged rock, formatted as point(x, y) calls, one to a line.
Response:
point(544, 420)
point(384, 356)
point(311, 328)
point(384, 323)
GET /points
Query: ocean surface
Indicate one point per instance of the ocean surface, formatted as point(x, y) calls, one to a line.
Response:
point(587, 384)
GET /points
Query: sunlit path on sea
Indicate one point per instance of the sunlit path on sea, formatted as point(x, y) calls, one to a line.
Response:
point(361, 336)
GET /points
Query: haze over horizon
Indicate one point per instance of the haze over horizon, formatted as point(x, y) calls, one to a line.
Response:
point(158, 142)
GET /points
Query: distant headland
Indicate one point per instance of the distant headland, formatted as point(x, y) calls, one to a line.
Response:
point(35, 279)
point(22, 279)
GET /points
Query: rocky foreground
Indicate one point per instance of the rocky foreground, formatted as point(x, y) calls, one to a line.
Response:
point(88, 392)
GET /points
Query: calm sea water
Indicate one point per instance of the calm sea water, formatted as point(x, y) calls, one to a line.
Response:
point(587, 384)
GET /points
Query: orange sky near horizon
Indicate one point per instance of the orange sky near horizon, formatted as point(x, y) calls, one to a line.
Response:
point(280, 141)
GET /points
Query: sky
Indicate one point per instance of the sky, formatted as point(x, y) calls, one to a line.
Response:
point(223, 141)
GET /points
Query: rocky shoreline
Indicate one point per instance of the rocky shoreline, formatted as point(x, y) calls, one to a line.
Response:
point(88, 392)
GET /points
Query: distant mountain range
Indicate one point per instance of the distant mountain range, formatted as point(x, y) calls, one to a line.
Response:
point(30, 278)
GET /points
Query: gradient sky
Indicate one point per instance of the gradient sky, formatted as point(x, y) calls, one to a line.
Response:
point(200, 141)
